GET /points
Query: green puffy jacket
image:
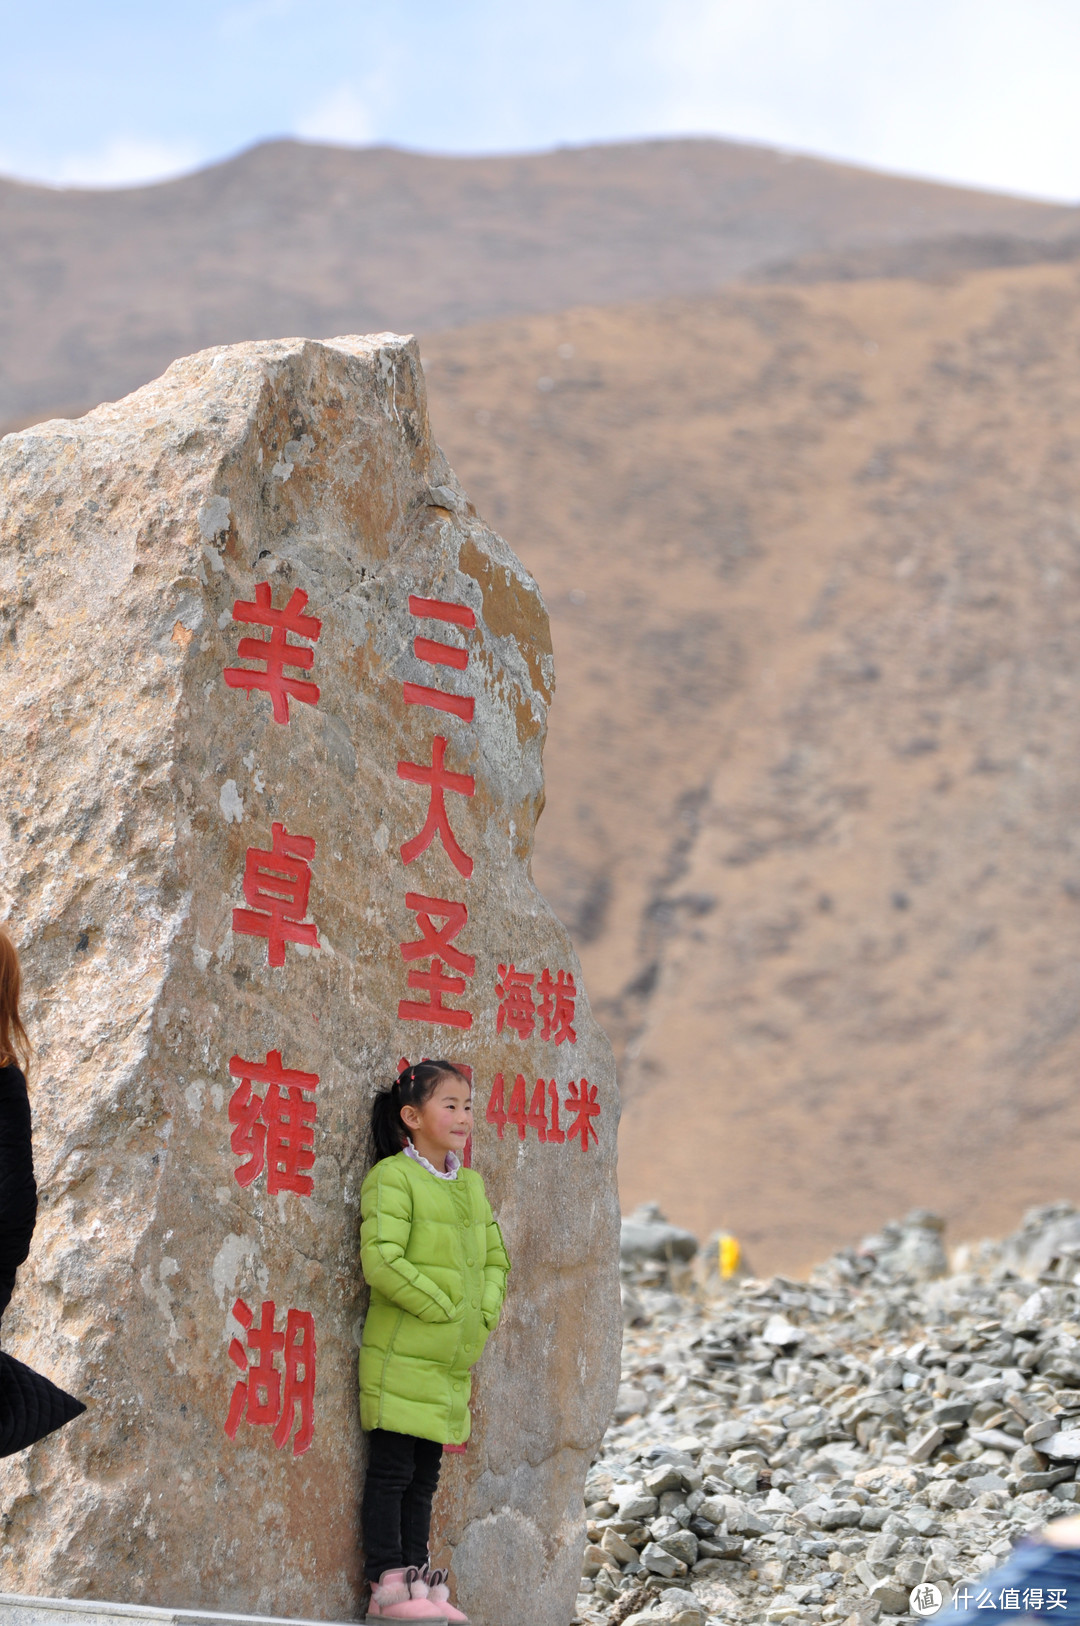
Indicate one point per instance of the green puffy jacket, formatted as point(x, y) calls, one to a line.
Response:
point(436, 1265)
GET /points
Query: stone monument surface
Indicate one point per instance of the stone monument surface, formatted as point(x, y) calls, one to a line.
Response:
point(272, 701)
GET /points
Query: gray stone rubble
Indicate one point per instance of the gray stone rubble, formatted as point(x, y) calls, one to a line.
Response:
point(812, 1450)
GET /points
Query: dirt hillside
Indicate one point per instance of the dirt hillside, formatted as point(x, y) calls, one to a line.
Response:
point(99, 291)
point(812, 549)
point(813, 560)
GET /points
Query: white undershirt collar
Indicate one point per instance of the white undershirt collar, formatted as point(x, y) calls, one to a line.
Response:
point(453, 1162)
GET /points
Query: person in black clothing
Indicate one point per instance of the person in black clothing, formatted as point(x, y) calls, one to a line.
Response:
point(18, 1189)
point(30, 1406)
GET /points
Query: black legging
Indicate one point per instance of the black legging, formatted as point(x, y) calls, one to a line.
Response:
point(396, 1513)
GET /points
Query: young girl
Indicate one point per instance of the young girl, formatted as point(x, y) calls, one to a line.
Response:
point(434, 1260)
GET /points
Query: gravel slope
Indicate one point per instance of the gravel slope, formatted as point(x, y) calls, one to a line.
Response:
point(814, 1450)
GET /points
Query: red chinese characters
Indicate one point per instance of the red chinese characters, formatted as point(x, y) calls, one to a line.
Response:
point(517, 1008)
point(439, 780)
point(264, 1396)
point(438, 654)
point(558, 998)
point(583, 1103)
point(273, 1125)
point(554, 1001)
point(449, 966)
point(276, 885)
point(436, 943)
point(540, 1110)
point(277, 653)
point(275, 1131)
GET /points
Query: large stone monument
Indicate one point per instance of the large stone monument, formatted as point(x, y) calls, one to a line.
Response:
point(272, 701)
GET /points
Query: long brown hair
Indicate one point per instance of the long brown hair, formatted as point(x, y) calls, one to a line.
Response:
point(14, 1040)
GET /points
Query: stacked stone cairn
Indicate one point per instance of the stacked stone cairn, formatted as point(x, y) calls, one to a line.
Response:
point(814, 1450)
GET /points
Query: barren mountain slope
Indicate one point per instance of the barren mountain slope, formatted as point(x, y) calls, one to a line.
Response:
point(99, 291)
point(813, 561)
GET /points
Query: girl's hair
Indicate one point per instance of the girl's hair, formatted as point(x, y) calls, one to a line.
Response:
point(14, 1040)
point(411, 1088)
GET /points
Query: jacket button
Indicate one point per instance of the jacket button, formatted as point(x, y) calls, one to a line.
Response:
point(470, 1261)
point(468, 1349)
point(476, 1304)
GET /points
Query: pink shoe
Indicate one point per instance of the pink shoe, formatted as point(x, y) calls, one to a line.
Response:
point(403, 1595)
point(439, 1593)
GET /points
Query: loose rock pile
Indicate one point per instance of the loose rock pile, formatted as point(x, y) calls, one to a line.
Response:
point(804, 1451)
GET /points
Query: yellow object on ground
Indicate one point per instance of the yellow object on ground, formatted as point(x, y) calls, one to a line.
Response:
point(728, 1256)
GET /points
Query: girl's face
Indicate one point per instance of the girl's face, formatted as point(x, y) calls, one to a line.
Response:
point(444, 1122)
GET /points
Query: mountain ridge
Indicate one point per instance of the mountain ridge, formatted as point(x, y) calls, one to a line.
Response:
point(100, 290)
point(811, 548)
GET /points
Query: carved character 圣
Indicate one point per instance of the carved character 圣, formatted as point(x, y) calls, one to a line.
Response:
point(435, 943)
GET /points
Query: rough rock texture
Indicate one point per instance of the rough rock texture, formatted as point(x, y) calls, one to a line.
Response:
point(137, 783)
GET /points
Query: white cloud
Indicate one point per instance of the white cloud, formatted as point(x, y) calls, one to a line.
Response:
point(342, 116)
point(976, 91)
point(239, 22)
point(125, 161)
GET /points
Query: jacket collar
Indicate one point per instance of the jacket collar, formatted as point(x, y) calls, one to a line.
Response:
point(453, 1162)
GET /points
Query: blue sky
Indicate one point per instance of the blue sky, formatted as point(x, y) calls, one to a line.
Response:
point(121, 91)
